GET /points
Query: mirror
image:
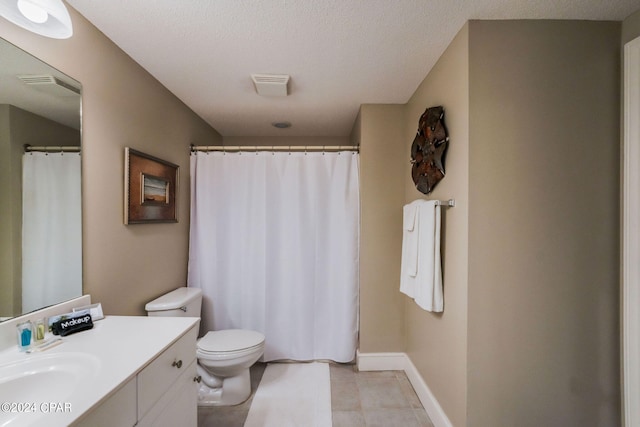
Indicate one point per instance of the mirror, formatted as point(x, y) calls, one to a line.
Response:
point(40, 206)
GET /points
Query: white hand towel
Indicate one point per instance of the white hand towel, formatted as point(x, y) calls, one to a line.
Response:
point(409, 260)
point(428, 286)
point(411, 226)
point(409, 215)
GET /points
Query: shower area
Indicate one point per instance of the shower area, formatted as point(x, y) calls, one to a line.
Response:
point(274, 246)
point(52, 226)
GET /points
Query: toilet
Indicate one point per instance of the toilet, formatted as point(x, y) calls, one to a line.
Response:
point(224, 357)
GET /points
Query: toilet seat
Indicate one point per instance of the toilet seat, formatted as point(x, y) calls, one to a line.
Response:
point(229, 343)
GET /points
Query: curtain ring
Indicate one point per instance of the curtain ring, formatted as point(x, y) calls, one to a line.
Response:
point(323, 147)
point(289, 150)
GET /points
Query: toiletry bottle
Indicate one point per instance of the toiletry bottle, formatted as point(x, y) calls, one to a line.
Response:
point(24, 331)
point(38, 330)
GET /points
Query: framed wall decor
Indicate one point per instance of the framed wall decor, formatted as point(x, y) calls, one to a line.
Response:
point(429, 149)
point(150, 189)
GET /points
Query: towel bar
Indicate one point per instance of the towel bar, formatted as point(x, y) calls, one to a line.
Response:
point(448, 203)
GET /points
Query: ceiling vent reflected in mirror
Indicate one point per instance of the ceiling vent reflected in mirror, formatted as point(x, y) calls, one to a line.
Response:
point(50, 84)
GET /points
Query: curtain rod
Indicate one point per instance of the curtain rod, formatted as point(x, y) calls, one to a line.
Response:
point(53, 148)
point(303, 148)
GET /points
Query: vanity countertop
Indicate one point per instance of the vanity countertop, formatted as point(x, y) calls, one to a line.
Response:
point(122, 346)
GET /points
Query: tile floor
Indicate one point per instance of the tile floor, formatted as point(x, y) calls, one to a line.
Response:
point(358, 399)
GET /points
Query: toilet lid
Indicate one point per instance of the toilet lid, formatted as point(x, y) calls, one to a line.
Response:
point(229, 340)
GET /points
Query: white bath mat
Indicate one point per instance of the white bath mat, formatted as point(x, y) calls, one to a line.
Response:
point(292, 395)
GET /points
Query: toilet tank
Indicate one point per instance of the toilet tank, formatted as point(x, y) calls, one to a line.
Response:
point(181, 302)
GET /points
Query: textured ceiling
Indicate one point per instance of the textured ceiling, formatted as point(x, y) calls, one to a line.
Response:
point(339, 53)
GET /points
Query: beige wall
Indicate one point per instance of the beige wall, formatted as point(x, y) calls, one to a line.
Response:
point(543, 223)
point(29, 128)
point(123, 106)
point(437, 342)
point(529, 335)
point(301, 141)
point(382, 159)
point(631, 27)
point(10, 218)
point(355, 137)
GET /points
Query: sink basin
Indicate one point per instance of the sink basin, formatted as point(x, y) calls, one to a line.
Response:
point(31, 381)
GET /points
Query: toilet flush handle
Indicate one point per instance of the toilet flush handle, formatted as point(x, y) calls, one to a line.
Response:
point(177, 364)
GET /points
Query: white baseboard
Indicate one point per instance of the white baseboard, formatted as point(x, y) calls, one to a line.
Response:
point(402, 362)
point(381, 361)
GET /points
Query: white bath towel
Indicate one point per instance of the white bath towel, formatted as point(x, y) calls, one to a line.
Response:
point(421, 256)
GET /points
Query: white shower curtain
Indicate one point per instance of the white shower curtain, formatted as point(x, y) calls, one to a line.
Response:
point(274, 247)
point(52, 229)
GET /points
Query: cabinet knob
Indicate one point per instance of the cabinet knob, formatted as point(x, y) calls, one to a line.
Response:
point(197, 379)
point(177, 364)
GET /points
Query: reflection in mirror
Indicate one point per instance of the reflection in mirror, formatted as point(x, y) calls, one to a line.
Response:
point(40, 184)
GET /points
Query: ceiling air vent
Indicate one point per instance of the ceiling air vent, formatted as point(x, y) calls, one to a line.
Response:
point(50, 84)
point(271, 84)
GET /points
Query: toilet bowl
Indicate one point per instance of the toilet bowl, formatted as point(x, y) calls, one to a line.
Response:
point(224, 357)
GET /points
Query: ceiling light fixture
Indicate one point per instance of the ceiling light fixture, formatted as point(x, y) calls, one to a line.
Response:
point(48, 18)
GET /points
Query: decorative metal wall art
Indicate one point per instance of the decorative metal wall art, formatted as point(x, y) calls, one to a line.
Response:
point(428, 150)
point(150, 191)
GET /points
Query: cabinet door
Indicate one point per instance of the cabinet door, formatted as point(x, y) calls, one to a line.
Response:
point(179, 406)
point(156, 379)
point(117, 410)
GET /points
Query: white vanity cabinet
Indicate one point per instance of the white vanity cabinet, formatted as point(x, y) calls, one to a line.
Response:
point(166, 386)
point(162, 392)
